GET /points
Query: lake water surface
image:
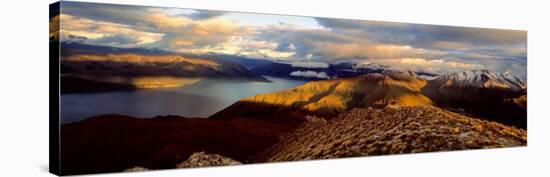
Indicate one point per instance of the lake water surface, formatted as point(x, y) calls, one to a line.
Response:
point(201, 99)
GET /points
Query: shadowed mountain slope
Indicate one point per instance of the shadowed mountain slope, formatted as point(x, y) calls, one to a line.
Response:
point(113, 143)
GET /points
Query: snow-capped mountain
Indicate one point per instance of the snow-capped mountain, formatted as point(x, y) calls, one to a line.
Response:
point(482, 79)
point(496, 96)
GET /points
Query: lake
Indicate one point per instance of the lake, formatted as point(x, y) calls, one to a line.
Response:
point(200, 99)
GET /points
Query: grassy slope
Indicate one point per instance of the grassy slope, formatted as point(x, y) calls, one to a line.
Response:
point(385, 131)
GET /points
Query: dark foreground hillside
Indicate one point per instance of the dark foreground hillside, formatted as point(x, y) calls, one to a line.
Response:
point(114, 143)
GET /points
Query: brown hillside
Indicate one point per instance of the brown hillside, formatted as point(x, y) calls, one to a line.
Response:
point(328, 98)
point(363, 132)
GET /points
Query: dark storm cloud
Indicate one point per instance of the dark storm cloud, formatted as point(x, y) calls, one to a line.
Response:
point(122, 14)
point(116, 40)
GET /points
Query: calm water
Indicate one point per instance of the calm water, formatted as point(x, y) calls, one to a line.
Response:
point(201, 99)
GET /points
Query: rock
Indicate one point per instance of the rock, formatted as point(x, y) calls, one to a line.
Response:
point(136, 169)
point(201, 159)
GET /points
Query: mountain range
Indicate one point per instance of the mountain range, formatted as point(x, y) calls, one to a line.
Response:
point(483, 94)
point(390, 112)
point(318, 72)
point(100, 68)
point(92, 68)
point(352, 110)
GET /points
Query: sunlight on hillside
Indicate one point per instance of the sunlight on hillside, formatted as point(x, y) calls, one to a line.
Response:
point(138, 58)
point(148, 82)
point(163, 82)
point(336, 95)
point(312, 96)
point(405, 93)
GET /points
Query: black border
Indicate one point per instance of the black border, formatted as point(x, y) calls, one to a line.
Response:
point(54, 147)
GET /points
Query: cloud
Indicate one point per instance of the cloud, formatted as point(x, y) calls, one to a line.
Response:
point(171, 31)
point(332, 40)
point(163, 21)
point(429, 65)
point(441, 48)
point(479, 36)
point(121, 14)
point(407, 33)
point(54, 27)
point(494, 43)
point(334, 23)
point(309, 65)
point(112, 40)
point(185, 33)
point(101, 31)
point(180, 27)
point(452, 45)
point(327, 45)
point(514, 67)
point(310, 74)
point(241, 46)
point(437, 63)
point(365, 51)
point(206, 14)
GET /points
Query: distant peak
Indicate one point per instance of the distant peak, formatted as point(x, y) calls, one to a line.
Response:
point(484, 79)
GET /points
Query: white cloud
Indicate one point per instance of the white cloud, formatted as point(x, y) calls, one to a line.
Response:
point(164, 21)
point(310, 74)
point(309, 64)
point(243, 46)
point(369, 50)
point(292, 47)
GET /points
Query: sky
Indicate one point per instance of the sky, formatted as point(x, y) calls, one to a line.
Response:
point(418, 47)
